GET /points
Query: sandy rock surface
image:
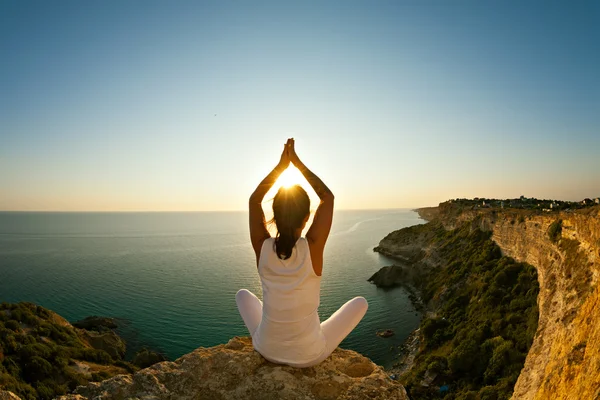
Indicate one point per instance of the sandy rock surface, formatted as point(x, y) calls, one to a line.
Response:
point(235, 371)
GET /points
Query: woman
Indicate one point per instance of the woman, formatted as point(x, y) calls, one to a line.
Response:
point(286, 329)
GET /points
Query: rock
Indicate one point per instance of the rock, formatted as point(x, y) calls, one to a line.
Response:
point(428, 378)
point(145, 358)
point(388, 277)
point(98, 333)
point(95, 323)
point(235, 371)
point(107, 341)
point(6, 395)
point(386, 333)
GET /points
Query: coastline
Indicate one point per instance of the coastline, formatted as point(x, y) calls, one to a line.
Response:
point(468, 289)
point(405, 263)
point(495, 271)
point(406, 353)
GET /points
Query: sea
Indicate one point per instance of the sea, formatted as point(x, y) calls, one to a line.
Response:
point(170, 278)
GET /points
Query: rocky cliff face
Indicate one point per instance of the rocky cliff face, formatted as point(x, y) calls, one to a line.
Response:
point(235, 371)
point(564, 360)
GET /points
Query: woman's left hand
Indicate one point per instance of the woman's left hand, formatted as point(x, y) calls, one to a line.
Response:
point(284, 162)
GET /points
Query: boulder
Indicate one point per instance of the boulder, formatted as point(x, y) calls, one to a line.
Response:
point(236, 371)
point(386, 333)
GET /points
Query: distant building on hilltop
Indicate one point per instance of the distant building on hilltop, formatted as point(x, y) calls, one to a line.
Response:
point(597, 200)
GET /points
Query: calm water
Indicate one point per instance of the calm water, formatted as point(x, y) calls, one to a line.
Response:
point(172, 277)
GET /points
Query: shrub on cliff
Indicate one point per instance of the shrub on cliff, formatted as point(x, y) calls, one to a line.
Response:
point(463, 358)
point(36, 353)
point(555, 230)
point(485, 323)
point(435, 331)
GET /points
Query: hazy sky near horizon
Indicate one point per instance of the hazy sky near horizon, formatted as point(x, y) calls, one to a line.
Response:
point(144, 105)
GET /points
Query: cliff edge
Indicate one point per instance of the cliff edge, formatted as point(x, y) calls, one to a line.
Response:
point(235, 371)
point(564, 247)
point(564, 360)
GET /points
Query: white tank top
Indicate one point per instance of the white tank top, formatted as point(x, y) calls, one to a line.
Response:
point(290, 330)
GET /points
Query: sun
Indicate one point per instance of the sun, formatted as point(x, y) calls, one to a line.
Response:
point(290, 177)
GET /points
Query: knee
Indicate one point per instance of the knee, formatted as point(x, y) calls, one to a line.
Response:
point(360, 303)
point(241, 294)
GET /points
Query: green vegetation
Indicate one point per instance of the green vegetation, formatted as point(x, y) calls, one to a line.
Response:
point(485, 324)
point(37, 354)
point(522, 203)
point(555, 230)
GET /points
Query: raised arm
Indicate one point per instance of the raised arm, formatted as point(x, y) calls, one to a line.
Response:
point(258, 223)
point(319, 230)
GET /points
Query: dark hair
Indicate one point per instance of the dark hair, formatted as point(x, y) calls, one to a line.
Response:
point(291, 206)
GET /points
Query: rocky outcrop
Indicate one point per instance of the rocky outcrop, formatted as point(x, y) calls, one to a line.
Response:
point(235, 371)
point(108, 341)
point(95, 323)
point(388, 277)
point(99, 333)
point(563, 362)
point(146, 357)
point(386, 333)
point(406, 245)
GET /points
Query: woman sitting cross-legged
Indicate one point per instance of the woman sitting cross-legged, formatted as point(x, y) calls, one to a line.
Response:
point(285, 327)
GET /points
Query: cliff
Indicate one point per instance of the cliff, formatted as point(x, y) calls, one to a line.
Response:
point(235, 371)
point(564, 247)
point(564, 360)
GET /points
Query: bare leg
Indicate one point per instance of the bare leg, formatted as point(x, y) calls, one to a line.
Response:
point(250, 308)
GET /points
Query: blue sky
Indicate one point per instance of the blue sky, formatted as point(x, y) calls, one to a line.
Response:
point(142, 105)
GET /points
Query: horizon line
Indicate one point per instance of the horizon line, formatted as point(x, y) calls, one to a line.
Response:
point(189, 211)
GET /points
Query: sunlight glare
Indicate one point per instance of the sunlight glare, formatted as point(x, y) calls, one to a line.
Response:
point(291, 176)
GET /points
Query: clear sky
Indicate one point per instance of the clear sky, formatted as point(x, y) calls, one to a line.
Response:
point(141, 105)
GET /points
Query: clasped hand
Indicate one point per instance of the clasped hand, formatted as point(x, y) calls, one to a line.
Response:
point(289, 155)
